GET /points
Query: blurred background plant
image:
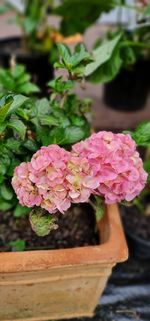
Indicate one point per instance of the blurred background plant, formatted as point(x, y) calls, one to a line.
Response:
point(32, 18)
point(121, 60)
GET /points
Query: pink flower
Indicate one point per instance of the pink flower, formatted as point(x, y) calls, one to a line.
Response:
point(48, 173)
point(80, 182)
point(26, 191)
point(113, 160)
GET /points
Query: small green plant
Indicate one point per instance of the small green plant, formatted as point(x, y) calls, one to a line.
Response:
point(18, 245)
point(16, 80)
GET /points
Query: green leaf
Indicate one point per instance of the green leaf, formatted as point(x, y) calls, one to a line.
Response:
point(29, 25)
point(41, 107)
point(147, 169)
point(14, 163)
point(6, 192)
point(61, 86)
point(147, 10)
point(28, 88)
point(73, 134)
point(99, 208)
point(49, 120)
point(102, 54)
point(5, 206)
point(31, 145)
point(108, 70)
point(56, 136)
point(13, 145)
point(42, 222)
point(6, 80)
point(3, 127)
point(4, 163)
point(64, 53)
point(20, 211)
point(23, 113)
point(4, 111)
point(77, 120)
point(18, 71)
point(18, 101)
point(18, 245)
point(78, 15)
point(19, 126)
point(142, 134)
point(80, 55)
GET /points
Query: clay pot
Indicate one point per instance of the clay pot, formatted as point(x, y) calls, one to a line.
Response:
point(57, 284)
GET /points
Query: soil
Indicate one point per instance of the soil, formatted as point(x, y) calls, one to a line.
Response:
point(76, 228)
point(136, 222)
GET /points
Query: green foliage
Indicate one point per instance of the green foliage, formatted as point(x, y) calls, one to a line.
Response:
point(21, 211)
point(59, 86)
point(18, 245)
point(147, 168)
point(147, 10)
point(78, 15)
point(28, 123)
point(141, 135)
point(75, 63)
point(99, 208)
point(42, 222)
point(17, 80)
point(106, 62)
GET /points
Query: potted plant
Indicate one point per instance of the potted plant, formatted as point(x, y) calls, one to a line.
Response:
point(136, 217)
point(125, 70)
point(68, 169)
point(33, 48)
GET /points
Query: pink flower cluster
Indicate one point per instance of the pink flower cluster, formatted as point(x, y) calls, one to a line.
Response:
point(115, 162)
point(53, 180)
point(105, 164)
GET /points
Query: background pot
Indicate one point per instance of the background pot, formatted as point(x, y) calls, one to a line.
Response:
point(57, 284)
point(129, 90)
point(37, 63)
point(133, 220)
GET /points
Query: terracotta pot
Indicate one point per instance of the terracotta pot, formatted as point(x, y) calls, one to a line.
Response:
point(57, 284)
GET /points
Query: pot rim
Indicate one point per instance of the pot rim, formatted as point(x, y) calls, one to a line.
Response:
point(113, 249)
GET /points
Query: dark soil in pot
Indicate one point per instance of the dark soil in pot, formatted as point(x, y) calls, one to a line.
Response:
point(76, 228)
point(129, 90)
point(37, 63)
point(137, 229)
